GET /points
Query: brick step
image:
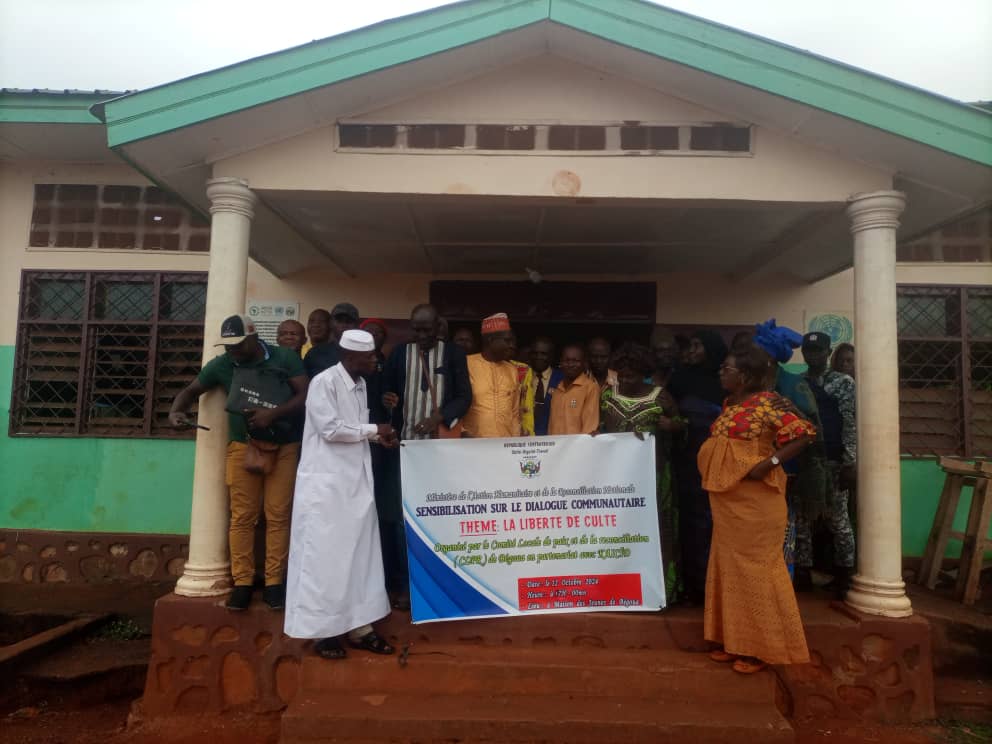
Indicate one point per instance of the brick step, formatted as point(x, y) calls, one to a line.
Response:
point(571, 671)
point(677, 628)
point(408, 718)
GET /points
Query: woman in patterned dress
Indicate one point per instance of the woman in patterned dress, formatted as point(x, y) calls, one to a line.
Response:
point(750, 608)
point(635, 405)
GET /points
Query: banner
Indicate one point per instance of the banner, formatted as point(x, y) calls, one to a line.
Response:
point(268, 314)
point(498, 527)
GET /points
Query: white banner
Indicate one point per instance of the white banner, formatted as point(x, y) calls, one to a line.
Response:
point(268, 314)
point(499, 527)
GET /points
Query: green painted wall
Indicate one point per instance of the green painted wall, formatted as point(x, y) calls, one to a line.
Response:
point(922, 482)
point(145, 485)
point(96, 485)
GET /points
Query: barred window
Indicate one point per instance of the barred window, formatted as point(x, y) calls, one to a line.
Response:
point(102, 354)
point(945, 370)
point(121, 217)
point(967, 239)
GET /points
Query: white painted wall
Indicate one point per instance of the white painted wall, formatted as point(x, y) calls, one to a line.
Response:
point(548, 90)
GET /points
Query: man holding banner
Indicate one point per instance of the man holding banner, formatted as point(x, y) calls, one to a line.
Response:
point(495, 410)
point(335, 583)
point(425, 386)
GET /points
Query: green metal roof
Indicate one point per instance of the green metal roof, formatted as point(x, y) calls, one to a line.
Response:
point(38, 106)
point(765, 65)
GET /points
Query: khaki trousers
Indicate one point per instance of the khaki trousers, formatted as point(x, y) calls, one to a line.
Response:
point(249, 494)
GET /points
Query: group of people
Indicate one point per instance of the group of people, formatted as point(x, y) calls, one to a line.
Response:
point(751, 458)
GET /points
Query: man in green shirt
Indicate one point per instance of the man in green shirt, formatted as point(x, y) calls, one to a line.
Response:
point(266, 390)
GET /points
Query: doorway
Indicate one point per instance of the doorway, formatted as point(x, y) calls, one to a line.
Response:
point(566, 312)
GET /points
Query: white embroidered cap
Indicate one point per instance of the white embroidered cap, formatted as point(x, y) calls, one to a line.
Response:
point(355, 340)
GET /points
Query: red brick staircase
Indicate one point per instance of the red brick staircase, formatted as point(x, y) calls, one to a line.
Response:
point(592, 678)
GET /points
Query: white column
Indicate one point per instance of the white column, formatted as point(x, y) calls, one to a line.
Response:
point(877, 588)
point(208, 568)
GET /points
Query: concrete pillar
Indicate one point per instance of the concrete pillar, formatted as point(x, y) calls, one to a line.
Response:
point(208, 568)
point(877, 588)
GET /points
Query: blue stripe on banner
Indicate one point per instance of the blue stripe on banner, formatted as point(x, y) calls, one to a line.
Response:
point(443, 592)
point(420, 608)
point(436, 602)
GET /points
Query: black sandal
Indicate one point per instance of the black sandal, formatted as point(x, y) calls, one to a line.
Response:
point(330, 648)
point(373, 642)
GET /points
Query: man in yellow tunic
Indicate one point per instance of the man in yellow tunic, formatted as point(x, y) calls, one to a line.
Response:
point(495, 410)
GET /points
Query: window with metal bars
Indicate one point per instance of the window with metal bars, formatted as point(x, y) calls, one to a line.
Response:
point(966, 239)
point(119, 217)
point(102, 354)
point(945, 370)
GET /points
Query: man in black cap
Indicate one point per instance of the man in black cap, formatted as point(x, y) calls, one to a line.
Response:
point(835, 399)
point(266, 390)
point(344, 317)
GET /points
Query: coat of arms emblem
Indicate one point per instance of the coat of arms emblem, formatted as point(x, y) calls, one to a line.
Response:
point(530, 468)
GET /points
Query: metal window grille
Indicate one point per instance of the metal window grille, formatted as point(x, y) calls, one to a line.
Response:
point(115, 217)
point(965, 239)
point(102, 354)
point(945, 370)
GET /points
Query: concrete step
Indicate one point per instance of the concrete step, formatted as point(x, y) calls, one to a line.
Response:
point(469, 692)
point(676, 628)
point(408, 718)
point(583, 671)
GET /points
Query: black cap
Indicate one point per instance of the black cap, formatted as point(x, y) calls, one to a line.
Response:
point(346, 309)
point(816, 341)
point(235, 329)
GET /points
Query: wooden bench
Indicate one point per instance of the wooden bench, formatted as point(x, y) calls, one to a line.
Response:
point(974, 540)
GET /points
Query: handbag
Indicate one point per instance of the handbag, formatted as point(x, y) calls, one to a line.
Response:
point(442, 431)
point(260, 456)
point(261, 387)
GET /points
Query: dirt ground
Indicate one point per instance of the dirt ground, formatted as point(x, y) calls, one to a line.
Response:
point(108, 724)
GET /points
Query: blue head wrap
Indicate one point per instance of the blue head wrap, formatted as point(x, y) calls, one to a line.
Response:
point(778, 341)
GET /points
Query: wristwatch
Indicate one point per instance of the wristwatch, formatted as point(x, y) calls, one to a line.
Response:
point(775, 460)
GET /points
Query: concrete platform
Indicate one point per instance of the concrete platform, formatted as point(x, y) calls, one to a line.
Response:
point(570, 693)
point(207, 659)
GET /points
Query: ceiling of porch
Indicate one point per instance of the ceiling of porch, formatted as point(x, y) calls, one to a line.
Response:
point(485, 235)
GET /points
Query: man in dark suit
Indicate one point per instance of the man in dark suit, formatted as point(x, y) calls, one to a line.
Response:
point(427, 385)
point(344, 317)
point(545, 379)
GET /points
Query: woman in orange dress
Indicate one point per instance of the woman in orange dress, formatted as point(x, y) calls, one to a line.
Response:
point(750, 609)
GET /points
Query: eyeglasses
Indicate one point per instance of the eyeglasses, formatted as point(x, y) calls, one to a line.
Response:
point(725, 368)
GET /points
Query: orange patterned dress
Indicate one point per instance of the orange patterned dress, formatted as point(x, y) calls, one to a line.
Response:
point(750, 605)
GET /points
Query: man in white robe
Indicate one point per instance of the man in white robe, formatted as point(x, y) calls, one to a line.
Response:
point(335, 581)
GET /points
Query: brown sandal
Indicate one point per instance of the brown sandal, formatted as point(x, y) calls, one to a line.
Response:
point(720, 656)
point(749, 666)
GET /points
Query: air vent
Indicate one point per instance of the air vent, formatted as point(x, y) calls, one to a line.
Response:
point(628, 138)
point(576, 138)
point(367, 135)
point(436, 136)
point(504, 137)
point(720, 138)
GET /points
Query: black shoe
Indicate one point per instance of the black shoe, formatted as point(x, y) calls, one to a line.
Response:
point(841, 581)
point(240, 599)
point(802, 581)
point(274, 596)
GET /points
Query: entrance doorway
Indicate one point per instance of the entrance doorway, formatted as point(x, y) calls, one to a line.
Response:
point(567, 312)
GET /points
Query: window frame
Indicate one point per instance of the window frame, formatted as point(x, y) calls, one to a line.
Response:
point(965, 339)
point(193, 228)
point(90, 329)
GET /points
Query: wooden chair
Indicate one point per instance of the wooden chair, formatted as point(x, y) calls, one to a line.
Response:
point(974, 539)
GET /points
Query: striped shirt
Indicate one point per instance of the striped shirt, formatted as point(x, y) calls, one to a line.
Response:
point(417, 395)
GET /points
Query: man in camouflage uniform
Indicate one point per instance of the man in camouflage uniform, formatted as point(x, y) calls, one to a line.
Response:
point(835, 398)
